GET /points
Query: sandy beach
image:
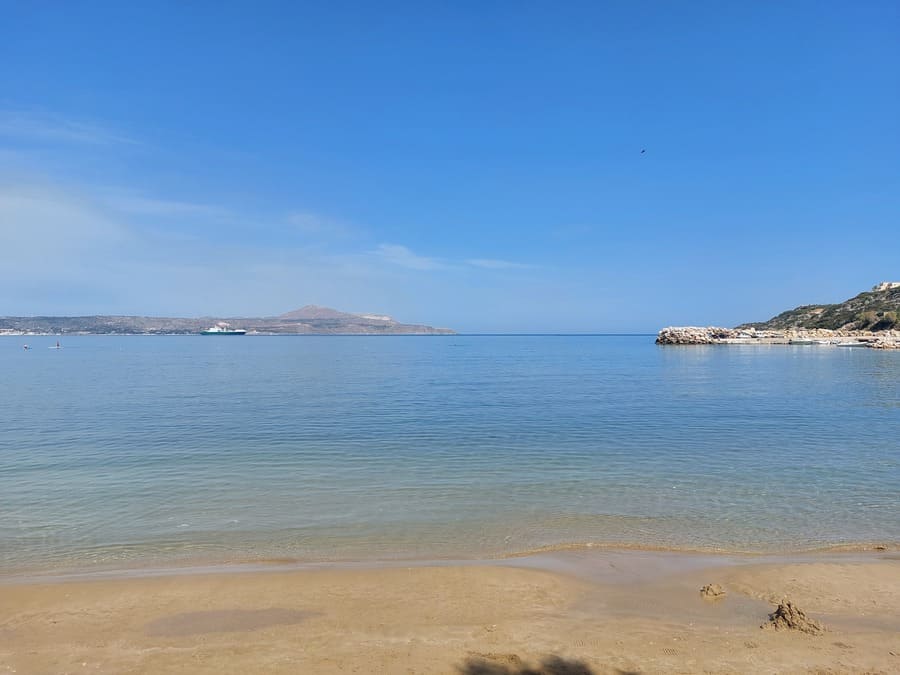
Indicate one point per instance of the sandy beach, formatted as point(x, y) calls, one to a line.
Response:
point(571, 612)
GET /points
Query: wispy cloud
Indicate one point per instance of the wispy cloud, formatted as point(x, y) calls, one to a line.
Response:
point(316, 225)
point(148, 206)
point(79, 249)
point(55, 241)
point(401, 256)
point(51, 232)
point(45, 127)
point(573, 231)
point(492, 264)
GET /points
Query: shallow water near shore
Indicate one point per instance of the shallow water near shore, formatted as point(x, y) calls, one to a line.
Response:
point(142, 451)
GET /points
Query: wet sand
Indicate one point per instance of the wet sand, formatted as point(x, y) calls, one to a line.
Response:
point(574, 611)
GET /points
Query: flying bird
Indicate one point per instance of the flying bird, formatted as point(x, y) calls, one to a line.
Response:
point(643, 150)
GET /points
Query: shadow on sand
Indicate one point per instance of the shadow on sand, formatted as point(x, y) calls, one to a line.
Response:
point(511, 664)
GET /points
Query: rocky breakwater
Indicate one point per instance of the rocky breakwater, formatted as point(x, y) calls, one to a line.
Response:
point(891, 340)
point(716, 335)
point(694, 335)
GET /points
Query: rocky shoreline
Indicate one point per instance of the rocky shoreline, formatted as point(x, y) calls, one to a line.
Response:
point(715, 335)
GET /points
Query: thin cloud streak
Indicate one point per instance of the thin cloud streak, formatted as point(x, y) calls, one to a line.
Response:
point(146, 206)
point(493, 264)
point(401, 256)
point(44, 127)
point(316, 225)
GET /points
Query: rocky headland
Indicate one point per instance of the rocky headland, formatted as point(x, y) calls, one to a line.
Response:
point(309, 320)
point(870, 319)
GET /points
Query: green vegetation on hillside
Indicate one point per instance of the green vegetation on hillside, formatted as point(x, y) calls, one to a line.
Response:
point(872, 310)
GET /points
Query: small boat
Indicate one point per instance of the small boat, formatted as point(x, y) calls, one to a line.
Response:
point(223, 328)
point(852, 344)
point(802, 342)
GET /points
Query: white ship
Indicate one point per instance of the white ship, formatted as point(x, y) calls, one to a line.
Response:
point(223, 328)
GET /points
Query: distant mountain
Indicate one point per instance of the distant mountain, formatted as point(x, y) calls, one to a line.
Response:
point(875, 310)
point(316, 312)
point(312, 312)
point(309, 320)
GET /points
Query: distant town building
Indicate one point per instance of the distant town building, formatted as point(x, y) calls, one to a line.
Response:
point(886, 285)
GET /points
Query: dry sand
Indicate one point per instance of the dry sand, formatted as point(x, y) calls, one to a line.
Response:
point(593, 613)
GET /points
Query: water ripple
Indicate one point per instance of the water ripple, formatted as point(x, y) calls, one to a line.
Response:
point(151, 449)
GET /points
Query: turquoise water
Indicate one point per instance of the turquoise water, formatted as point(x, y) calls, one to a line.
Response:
point(120, 451)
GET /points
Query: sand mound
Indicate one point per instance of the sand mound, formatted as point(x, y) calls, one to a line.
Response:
point(712, 592)
point(788, 617)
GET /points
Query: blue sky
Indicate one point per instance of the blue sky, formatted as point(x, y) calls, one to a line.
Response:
point(467, 164)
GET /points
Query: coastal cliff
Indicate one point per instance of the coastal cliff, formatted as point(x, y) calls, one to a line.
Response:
point(871, 318)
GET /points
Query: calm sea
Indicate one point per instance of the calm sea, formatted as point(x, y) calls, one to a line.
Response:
point(121, 451)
